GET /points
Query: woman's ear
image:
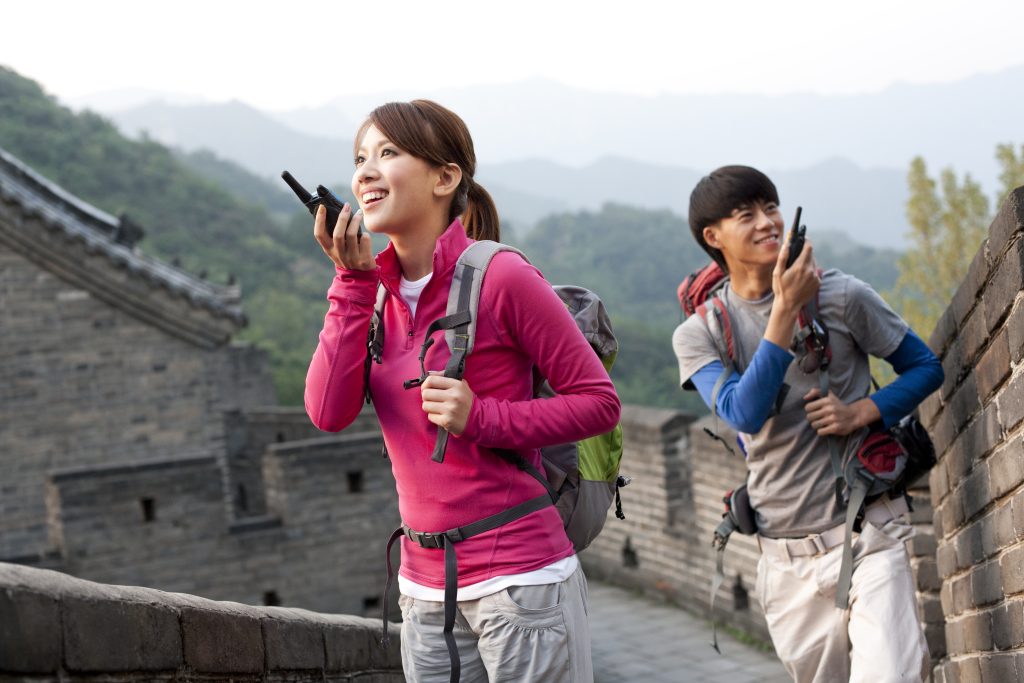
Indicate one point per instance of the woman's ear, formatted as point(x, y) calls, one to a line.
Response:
point(448, 179)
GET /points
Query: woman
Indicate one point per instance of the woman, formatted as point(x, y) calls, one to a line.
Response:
point(521, 594)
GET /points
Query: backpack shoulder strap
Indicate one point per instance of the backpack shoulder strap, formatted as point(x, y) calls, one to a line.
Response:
point(375, 339)
point(464, 294)
point(459, 323)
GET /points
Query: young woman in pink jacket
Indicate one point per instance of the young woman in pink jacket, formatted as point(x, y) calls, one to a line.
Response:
point(521, 602)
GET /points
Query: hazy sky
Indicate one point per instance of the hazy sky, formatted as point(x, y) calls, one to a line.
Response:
point(259, 53)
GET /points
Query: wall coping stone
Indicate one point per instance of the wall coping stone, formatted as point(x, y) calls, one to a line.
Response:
point(53, 623)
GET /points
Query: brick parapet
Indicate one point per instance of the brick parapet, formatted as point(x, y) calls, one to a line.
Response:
point(53, 626)
point(978, 483)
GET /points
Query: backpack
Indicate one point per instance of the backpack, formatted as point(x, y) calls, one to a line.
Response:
point(886, 463)
point(581, 479)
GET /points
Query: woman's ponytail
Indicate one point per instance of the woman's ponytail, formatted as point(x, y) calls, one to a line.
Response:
point(480, 217)
point(437, 135)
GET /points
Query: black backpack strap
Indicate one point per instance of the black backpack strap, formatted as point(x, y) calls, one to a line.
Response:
point(375, 338)
point(446, 540)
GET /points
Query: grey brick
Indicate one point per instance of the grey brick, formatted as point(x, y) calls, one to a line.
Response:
point(935, 636)
point(963, 598)
point(970, 670)
point(927, 576)
point(955, 637)
point(219, 642)
point(1015, 332)
point(977, 632)
point(1004, 533)
point(944, 333)
point(1012, 564)
point(953, 367)
point(1008, 625)
point(999, 667)
point(973, 336)
point(1006, 467)
point(964, 403)
point(986, 584)
point(994, 365)
point(929, 408)
point(114, 635)
point(1008, 221)
point(1006, 282)
point(1011, 403)
point(977, 490)
point(29, 623)
point(293, 645)
point(1017, 503)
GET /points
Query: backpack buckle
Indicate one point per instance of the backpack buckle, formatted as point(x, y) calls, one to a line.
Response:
point(425, 539)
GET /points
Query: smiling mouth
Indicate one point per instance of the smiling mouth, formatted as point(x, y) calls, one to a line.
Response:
point(371, 198)
point(770, 239)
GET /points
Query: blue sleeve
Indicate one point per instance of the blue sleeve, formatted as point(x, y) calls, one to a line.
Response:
point(920, 373)
point(745, 401)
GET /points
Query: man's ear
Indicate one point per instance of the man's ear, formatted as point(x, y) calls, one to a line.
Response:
point(711, 236)
point(448, 178)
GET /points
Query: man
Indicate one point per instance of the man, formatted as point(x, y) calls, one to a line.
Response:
point(772, 398)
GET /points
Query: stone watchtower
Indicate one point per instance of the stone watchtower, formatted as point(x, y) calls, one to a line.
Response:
point(107, 356)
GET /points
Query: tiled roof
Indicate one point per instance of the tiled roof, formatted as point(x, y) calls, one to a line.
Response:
point(112, 237)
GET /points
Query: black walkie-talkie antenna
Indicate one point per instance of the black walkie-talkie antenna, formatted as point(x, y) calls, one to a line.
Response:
point(300, 192)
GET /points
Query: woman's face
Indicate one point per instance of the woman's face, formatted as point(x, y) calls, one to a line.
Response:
point(394, 188)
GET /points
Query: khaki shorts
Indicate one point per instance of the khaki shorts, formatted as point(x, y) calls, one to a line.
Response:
point(538, 634)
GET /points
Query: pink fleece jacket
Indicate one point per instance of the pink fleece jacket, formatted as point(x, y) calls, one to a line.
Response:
point(522, 323)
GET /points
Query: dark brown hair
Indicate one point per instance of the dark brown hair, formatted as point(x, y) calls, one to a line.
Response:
point(722, 191)
point(437, 135)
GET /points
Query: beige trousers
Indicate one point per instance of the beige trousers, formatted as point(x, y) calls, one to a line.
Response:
point(877, 639)
point(535, 634)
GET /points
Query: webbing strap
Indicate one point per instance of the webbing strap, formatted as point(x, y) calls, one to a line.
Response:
point(721, 538)
point(857, 496)
point(447, 540)
point(385, 639)
point(451, 587)
point(716, 318)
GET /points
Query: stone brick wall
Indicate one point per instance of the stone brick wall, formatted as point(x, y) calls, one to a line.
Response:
point(978, 485)
point(162, 523)
point(84, 383)
point(54, 627)
point(672, 507)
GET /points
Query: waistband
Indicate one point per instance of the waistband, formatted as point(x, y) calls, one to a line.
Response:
point(878, 513)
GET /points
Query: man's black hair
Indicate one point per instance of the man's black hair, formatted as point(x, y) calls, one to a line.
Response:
point(721, 192)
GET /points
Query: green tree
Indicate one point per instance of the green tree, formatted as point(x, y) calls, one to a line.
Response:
point(945, 234)
point(1012, 175)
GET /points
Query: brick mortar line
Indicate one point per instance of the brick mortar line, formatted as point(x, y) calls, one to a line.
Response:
point(988, 560)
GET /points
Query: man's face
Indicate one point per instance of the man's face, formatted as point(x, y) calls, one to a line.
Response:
point(751, 236)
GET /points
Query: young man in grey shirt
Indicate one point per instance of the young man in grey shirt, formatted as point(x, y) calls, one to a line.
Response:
point(772, 399)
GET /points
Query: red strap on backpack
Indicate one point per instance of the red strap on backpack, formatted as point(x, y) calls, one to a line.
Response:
point(698, 285)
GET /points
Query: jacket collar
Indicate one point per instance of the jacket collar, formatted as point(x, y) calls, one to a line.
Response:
point(447, 250)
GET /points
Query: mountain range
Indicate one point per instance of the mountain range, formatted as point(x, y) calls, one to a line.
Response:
point(545, 147)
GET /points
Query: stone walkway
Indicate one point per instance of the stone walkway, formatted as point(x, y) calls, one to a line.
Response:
point(636, 639)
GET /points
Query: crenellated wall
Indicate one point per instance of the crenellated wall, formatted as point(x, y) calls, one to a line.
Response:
point(978, 484)
point(55, 627)
point(672, 506)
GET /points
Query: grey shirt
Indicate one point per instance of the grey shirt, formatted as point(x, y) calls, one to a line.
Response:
point(791, 484)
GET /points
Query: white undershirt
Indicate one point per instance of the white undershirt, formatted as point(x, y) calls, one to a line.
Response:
point(411, 290)
point(556, 572)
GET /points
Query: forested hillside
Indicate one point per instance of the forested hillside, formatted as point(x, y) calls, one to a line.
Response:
point(217, 218)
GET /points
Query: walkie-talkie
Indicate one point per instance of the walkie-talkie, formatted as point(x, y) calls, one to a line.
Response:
point(323, 196)
point(797, 235)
